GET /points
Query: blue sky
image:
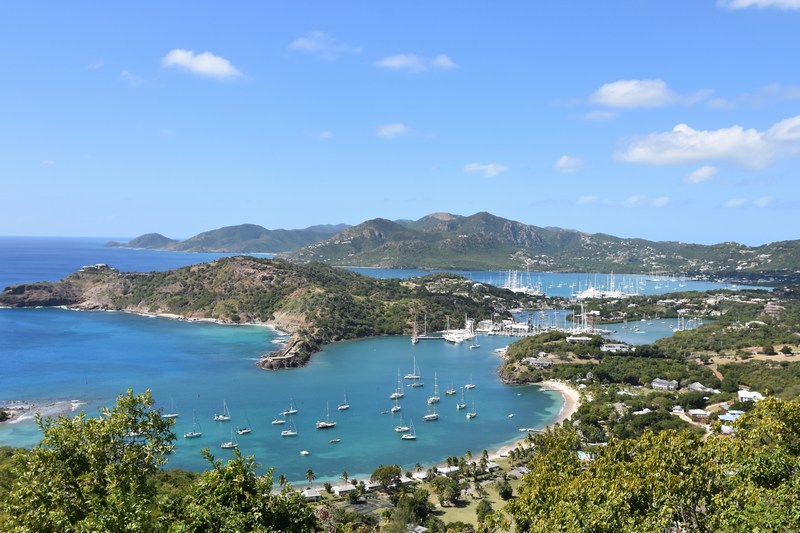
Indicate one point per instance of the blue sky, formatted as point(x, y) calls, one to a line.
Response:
point(671, 120)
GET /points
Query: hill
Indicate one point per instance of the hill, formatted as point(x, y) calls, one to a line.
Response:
point(245, 238)
point(317, 304)
point(485, 241)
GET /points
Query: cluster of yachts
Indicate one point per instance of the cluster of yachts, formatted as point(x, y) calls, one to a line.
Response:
point(285, 417)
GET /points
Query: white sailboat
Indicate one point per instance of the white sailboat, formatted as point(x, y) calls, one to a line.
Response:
point(470, 385)
point(172, 412)
point(414, 374)
point(327, 423)
point(226, 415)
point(196, 431)
point(244, 430)
point(231, 444)
point(344, 405)
point(435, 398)
point(400, 428)
point(462, 404)
point(432, 415)
point(398, 392)
point(411, 435)
point(396, 407)
point(292, 410)
point(451, 391)
point(278, 421)
point(291, 432)
point(472, 413)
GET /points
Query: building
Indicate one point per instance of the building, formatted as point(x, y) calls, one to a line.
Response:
point(311, 495)
point(699, 387)
point(750, 396)
point(341, 490)
point(533, 361)
point(614, 347)
point(663, 384)
point(699, 413)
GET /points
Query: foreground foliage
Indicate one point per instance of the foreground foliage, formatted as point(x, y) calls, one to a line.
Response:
point(670, 481)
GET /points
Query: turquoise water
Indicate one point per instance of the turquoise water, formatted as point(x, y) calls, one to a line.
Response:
point(52, 355)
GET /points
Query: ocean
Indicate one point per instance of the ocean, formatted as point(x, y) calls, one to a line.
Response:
point(67, 361)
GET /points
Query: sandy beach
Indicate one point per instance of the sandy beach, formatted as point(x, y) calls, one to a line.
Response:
point(572, 400)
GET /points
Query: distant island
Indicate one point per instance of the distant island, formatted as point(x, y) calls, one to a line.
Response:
point(487, 242)
point(316, 304)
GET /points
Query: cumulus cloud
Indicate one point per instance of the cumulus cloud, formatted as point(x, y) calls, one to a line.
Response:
point(641, 93)
point(488, 170)
point(762, 4)
point(746, 147)
point(388, 131)
point(701, 175)
point(203, 64)
point(322, 45)
point(415, 63)
point(568, 164)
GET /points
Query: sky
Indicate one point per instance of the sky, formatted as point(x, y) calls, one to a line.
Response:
point(673, 120)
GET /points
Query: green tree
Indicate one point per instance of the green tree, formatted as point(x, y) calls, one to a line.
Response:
point(386, 475)
point(91, 474)
point(482, 510)
point(232, 497)
point(310, 476)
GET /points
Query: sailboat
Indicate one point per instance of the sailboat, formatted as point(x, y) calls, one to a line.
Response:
point(344, 405)
point(470, 385)
point(451, 391)
point(398, 392)
point(289, 432)
point(244, 430)
point(231, 444)
point(327, 422)
point(226, 415)
point(431, 416)
point(400, 428)
point(278, 421)
point(462, 404)
point(172, 412)
point(411, 435)
point(396, 407)
point(472, 413)
point(414, 374)
point(435, 398)
point(414, 336)
point(195, 432)
point(292, 410)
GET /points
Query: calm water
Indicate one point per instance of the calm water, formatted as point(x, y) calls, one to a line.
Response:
point(52, 356)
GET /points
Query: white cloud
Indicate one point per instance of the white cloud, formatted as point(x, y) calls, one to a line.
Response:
point(204, 64)
point(568, 164)
point(786, 130)
point(48, 162)
point(684, 145)
point(702, 174)
point(410, 62)
point(443, 61)
point(762, 202)
point(735, 202)
point(597, 116)
point(415, 63)
point(323, 46)
point(641, 93)
point(775, 91)
point(327, 134)
point(635, 200)
point(763, 4)
point(661, 201)
point(583, 200)
point(392, 130)
point(95, 65)
point(131, 79)
point(488, 170)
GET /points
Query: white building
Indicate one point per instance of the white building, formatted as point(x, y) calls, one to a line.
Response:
point(750, 396)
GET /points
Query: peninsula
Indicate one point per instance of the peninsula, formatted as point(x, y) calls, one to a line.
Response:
point(316, 304)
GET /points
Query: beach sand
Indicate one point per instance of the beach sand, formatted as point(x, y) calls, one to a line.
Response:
point(572, 400)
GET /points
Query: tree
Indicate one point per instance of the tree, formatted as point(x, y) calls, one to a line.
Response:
point(232, 497)
point(310, 476)
point(91, 474)
point(504, 489)
point(344, 476)
point(386, 475)
point(482, 510)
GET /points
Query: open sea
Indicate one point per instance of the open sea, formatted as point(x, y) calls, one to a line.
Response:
point(67, 361)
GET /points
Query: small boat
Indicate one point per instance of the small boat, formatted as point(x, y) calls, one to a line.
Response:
point(473, 346)
point(344, 405)
point(396, 407)
point(472, 413)
point(398, 392)
point(417, 384)
point(334, 441)
point(327, 423)
point(196, 431)
point(303, 452)
point(292, 432)
point(401, 428)
point(226, 415)
point(470, 385)
point(231, 444)
point(462, 404)
point(244, 430)
point(414, 374)
point(292, 410)
point(431, 416)
point(278, 421)
point(451, 391)
point(172, 412)
point(411, 435)
point(435, 398)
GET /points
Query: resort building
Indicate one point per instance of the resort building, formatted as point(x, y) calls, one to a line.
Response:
point(614, 347)
point(750, 396)
point(663, 384)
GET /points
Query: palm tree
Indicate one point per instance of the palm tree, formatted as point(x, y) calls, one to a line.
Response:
point(310, 476)
point(418, 467)
point(281, 480)
point(468, 456)
point(344, 476)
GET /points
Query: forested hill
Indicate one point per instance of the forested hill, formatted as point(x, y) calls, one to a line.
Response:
point(318, 304)
point(246, 238)
point(485, 241)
